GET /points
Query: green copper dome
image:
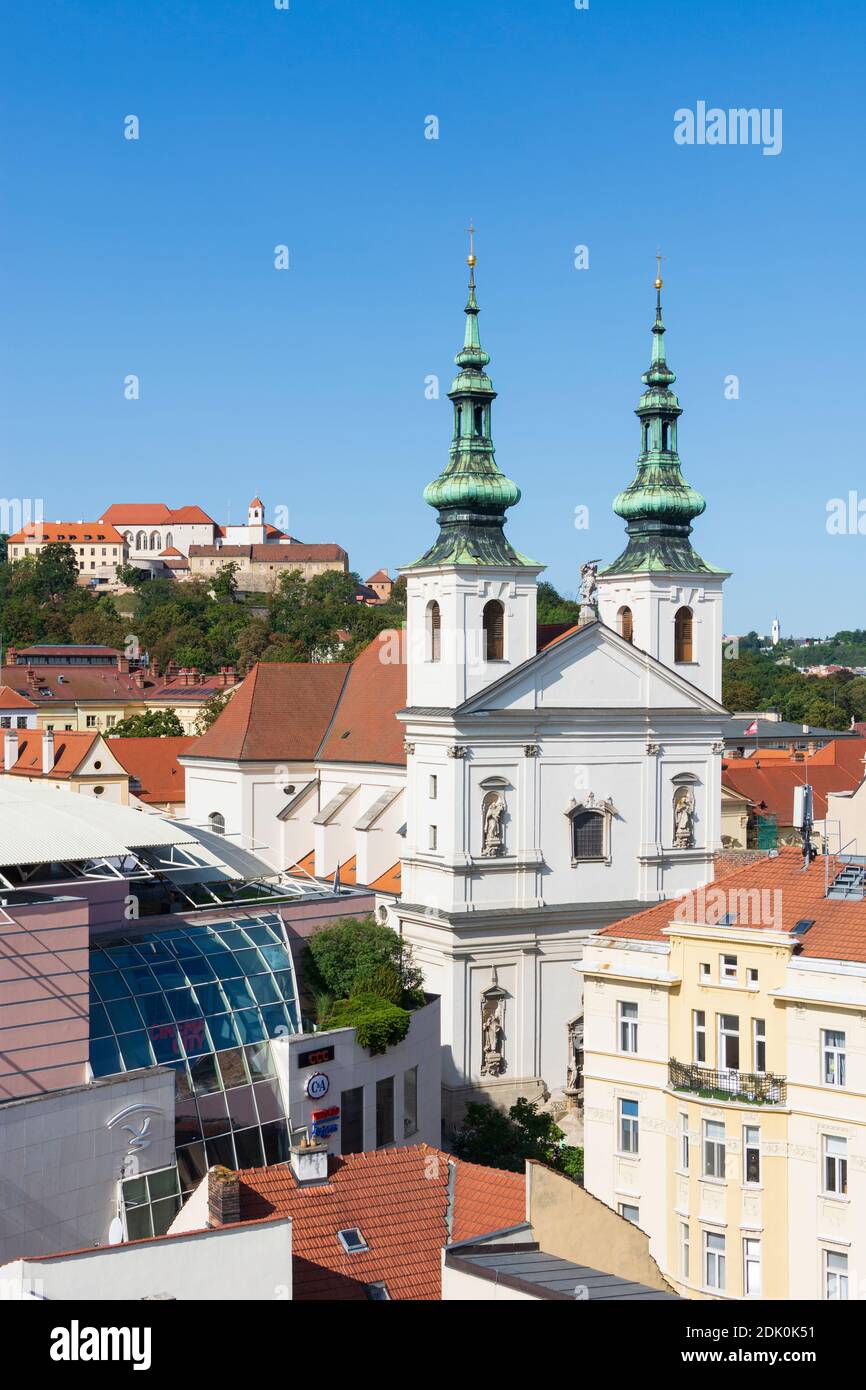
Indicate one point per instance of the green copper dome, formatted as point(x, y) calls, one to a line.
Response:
point(471, 494)
point(659, 505)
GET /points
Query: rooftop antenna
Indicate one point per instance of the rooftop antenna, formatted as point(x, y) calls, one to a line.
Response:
point(803, 820)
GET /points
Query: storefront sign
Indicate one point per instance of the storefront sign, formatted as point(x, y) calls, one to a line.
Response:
point(330, 1114)
point(317, 1085)
point(322, 1131)
point(316, 1058)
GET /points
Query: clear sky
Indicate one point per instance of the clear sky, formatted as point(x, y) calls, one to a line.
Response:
point(306, 127)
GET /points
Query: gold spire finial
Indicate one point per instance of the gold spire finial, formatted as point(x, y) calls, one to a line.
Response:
point(470, 259)
point(658, 281)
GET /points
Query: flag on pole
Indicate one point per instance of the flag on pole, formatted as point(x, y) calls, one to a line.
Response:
point(336, 885)
point(753, 727)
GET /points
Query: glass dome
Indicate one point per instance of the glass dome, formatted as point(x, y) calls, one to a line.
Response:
point(203, 999)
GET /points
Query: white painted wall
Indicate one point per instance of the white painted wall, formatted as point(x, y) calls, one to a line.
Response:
point(242, 1263)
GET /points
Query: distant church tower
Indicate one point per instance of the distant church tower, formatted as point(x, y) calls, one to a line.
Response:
point(471, 598)
point(776, 632)
point(659, 593)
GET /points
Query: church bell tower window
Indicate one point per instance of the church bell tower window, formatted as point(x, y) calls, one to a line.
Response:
point(494, 631)
point(434, 631)
point(683, 646)
point(626, 624)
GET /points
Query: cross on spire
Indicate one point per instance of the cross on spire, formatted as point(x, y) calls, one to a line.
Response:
point(659, 259)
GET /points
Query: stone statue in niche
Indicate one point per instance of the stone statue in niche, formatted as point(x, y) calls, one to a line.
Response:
point(574, 1082)
point(492, 1029)
point(588, 586)
point(493, 827)
point(684, 819)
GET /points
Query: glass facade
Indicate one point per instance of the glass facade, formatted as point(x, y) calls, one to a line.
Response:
point(204, 1000)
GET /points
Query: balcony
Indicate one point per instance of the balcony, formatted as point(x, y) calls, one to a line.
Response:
point(742, 1087)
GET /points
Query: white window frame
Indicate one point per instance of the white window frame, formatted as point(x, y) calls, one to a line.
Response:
point(625, 1207)
point(727, 967)
point(684, 1141)
point(714, 1261)
point(751, 1262)
point(834, 1165)
point(750, 1145)
point(836, 1055)
point(759, 1040)
point(627, 1025)
point(685, 1250)
point(699, 1036)
point(434, 786)
point(628, 1136)
point(714, 1151)
point(835, 1281)
point(722, 1034)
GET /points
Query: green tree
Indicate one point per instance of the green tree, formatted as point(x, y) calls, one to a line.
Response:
point(224, 584)
point(553, 607)
point(349, 957)
point(154, 723)
point(211, 710)
point(501, 1139)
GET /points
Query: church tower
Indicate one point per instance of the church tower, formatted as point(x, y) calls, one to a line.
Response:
point(659, 593)
point(471, 598)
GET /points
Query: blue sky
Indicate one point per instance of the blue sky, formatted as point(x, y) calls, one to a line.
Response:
point(305, 127)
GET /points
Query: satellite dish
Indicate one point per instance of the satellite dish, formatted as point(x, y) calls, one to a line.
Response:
point(115, 1232)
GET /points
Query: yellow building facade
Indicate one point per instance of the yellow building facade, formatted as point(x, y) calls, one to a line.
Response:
point(725, 1086)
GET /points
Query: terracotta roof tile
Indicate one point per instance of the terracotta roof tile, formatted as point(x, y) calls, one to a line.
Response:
point(398, 1200)
point(365, 728)
point(10, 699)
point(153, 763)
point(389, 881)
point(839, 931)
point(280, 711)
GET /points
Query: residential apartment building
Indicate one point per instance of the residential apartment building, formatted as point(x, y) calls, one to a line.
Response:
point(725, 1081)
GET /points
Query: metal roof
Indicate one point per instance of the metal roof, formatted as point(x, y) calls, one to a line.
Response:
point(41, 824)
point(550, 1277)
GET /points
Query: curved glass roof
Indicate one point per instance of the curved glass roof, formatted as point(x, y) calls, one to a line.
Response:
point(203, 999)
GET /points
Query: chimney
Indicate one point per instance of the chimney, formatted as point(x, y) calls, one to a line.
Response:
point(10, 749)
point(123, 664)
point(47, 750)
point(308, 1161)
point(223, 1197)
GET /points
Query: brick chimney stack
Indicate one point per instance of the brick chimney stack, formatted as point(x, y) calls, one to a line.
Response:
point(47, 751)
point(223, 1197)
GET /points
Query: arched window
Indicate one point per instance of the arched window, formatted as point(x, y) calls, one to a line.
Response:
point(587, 835)
point(494, 631)
point(217, 822)
point(646, 438)
point(479, 419)
point(683, 635)
point(141, 541)
point(434, 631)
point(666, 435)
point(129, 538)
point(626, 627)
point(169, 540)
point(154, 541)
point(458, 419)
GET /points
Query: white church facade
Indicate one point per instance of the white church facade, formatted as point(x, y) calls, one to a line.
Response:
point(550, 792)
point(506, 797)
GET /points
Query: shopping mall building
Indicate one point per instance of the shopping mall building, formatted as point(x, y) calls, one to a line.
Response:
point(151, 1024)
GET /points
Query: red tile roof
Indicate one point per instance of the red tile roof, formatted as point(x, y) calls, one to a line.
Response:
point(77, 532)
point(10, 699)
point(153, 763)
point(293, 552)
point(770, 783)
point(398, 1200)
point(280, 711)
point(365, 728)
point(154, 514)
point(70, 750)
point(839, 932)
point(306, 865)
point(70, 683)
point(380, 577)
point(548, 634)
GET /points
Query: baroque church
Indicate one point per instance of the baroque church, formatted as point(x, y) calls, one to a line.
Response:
point(504, 789)
point(551, 788)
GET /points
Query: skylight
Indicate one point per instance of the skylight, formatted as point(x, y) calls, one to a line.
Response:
point(352, 1241)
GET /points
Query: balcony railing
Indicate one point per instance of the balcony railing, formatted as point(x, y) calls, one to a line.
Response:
point(750, 1088)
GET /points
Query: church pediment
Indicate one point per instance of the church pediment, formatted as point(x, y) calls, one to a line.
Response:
point(592, 668)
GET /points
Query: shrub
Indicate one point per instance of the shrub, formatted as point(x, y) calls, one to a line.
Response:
point(378, 1023)
point(358, 955)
